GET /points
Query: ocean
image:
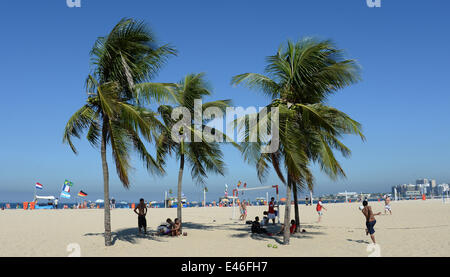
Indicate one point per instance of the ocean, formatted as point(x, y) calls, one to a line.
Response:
point(16, 205)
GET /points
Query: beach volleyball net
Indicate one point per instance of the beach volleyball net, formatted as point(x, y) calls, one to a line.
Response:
point(236, 196)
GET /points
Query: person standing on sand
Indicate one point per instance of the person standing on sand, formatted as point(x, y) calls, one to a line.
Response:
point(319, 208)
point(271, 212)
point(387, 204)
point(142, 222)
point(241, 209)
point(370, 220)
point(244, 209)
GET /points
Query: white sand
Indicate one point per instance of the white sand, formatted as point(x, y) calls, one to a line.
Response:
point(416, 228)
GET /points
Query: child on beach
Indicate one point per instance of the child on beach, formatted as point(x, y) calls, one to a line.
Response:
point(176, 228)
point(265, 220)
point(142, 222)
point(370, 220)
point(319, 208)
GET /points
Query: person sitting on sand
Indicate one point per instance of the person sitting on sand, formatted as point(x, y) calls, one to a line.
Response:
point(265, 220)
point(370, 220)
point(165, 228)
point(256, 227)
point(291, 229)
point(142, 222)
point(176, 228)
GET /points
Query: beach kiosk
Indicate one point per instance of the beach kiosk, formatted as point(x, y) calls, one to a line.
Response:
point(44, 202)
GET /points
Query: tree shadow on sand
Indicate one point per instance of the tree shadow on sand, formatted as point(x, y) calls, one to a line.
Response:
point(274, 230)
point(215, 226)
point(130, 235)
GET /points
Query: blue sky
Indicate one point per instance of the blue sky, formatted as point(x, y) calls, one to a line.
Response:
point(402, 100)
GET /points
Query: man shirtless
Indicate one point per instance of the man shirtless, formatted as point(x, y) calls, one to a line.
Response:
point(387, 204)
point(142, 222)
point(370, 220)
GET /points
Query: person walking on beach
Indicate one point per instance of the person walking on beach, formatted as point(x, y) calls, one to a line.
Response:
point(142, 222)
point(319, 208)
point(370, 220)
point(243, 210)
point(113, 203)
point(387, 204)
point(271, 212)
point(56, 203)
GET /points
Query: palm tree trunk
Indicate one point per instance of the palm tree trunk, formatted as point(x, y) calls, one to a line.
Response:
point(297, 214)
point(180, 180)
point(287, 213)
point(107, 211)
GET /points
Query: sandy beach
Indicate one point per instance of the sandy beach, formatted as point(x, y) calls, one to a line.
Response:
point(416, 228)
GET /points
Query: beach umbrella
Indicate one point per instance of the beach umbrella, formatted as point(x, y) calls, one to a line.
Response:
point(99, 201)
point(283, 199)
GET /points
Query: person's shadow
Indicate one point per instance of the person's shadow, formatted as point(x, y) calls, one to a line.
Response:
point(359, 241)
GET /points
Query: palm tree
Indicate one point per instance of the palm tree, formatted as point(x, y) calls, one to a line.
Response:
point(122, 63)
point(202, 156)
point(300, 77)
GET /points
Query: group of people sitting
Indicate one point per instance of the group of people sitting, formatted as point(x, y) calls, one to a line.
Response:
point(170, 228)
point(257, 229)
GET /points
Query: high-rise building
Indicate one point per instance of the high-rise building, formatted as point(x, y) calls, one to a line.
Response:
point(422, 181)
point(433, 187)
point(423, 186)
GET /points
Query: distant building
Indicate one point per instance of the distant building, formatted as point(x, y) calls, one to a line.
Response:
point(442, 189)
point(422, 186)
point(422, 181)
point(426, 186)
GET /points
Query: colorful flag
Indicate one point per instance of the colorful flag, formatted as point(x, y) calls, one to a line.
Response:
point(245, 185)
point(82, 193)
point(68, 183)
point(239, 184)
point(39, 186)
point(65, 195)
point(66, 188)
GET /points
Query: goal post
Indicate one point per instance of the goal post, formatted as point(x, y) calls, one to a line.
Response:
point(236, 196)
